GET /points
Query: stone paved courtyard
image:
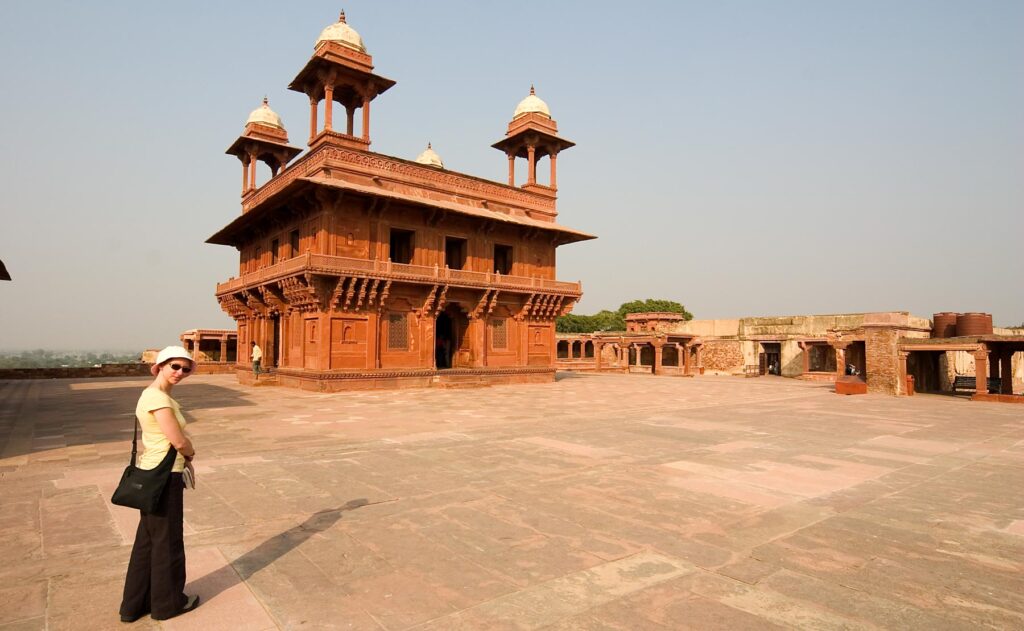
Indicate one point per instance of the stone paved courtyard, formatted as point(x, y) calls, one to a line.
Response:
point(596, 502)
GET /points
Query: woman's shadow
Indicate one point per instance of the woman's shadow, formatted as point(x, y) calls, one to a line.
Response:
point(269, 551)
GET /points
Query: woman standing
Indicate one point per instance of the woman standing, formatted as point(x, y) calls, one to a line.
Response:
point(155, 581)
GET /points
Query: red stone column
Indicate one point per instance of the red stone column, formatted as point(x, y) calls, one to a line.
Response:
point(684, 349)
point(553, 157)
point(366, 118)
point(245, 176)
point(531, 156)
point(806, 348)
point(313, 104)
point(981, 370)
point(840, 361)
point(1006, 363)
point(511, 169)
point(656, 368)
point(598, 349)
point(328, 106)
point(901, 385)
point(350, 113)
point(223, 348)
point(252, 172)
point(700, 358)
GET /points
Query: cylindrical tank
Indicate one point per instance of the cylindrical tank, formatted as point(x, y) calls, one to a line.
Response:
point(974, 323)
point(944, 324)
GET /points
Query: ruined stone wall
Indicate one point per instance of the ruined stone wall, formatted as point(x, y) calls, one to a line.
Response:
point(105, 370)
point(723, 356)
point(882, 361)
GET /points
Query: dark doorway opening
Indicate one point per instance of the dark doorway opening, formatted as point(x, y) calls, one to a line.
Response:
point(275, 349)
point(402, 246)
point(454, 252)
point(449, 334)
point(770, 361)
point(503, 259)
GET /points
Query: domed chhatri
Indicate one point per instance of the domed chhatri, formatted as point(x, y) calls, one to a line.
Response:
point(343, 34)
point(532, 103)
point(430, 158)
point(263, 115)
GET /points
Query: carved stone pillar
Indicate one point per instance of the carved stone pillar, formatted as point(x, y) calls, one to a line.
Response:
point(981, 370)
point(598, 349)
point(553, 157)
point(245, 175)
point(366, 118)
point(328, 107)
point(531, 156)
point(223, 349)
point(901, 384)
point(656, 368)
point(806, 359)
point(314, 103)
point(511, 169)
point(840, 359)
point(1006, 374)
point(684, 358)
point(252, 171)
point(350, 113)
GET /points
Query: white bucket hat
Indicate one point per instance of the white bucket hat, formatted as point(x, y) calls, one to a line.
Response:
point(168, 353)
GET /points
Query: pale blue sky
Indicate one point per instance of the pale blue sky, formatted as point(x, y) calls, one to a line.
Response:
point(739, 157)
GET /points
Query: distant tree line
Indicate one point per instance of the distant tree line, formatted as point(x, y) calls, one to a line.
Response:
point(616, 320)
point(40, 358)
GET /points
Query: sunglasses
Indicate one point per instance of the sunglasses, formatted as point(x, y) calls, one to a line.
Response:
point(184, 369)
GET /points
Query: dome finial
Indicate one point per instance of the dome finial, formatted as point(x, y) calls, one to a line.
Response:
point(532, 91)
point(266, 101)
point(428, 145)
point(341, 18)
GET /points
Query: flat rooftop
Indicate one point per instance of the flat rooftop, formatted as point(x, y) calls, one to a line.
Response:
point(595, 502)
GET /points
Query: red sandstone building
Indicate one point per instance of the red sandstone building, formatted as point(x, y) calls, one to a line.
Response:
point(359, 269)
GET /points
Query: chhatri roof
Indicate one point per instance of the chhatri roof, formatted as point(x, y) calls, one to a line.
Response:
point(430, 158)
point(532, 103)
point(343, 34)
point(265, 116)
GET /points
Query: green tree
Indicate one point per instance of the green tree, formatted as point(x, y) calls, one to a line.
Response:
point(616, 320)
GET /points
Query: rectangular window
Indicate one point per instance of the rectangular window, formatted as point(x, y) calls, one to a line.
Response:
point(258, 257)
point(275, 247)
point(499, 333)
point(402, 245)
point(398, 332)
point(502, 259)
point(455, 252)
point(293, 242)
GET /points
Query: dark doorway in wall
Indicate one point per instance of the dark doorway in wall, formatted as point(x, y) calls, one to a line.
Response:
point(449, 334)
point(275, 350)
point(502, 259)
point(770, 361)
point(402, 245)
point(562, 350)
point(293, 243)
point(856, 355)
point(455, 252)
point(275, 251)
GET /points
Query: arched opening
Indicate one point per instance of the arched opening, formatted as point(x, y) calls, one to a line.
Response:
point(588, 349)
point(670, 356)
point(646, 355)
point(563, 349)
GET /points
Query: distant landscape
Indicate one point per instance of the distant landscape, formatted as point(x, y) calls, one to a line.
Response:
point(41, 358)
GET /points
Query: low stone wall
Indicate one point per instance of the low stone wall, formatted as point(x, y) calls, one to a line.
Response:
point(104, 370)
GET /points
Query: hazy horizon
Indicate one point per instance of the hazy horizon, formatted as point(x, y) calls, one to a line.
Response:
point(742, 158)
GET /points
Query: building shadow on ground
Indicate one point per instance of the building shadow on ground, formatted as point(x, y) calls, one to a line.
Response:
point(263, 555)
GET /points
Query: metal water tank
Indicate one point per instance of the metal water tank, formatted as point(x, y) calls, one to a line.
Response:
point(944, 324)
point(974, 323)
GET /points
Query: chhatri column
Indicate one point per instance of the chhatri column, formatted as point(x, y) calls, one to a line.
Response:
point(366, 118)
point(314, 102)
point(531, 156)
point(981, 370)
point(350, 113)
point(328, 106)
point(511, 169)
point(252, 171)
point(245, 175)
point(553, 157)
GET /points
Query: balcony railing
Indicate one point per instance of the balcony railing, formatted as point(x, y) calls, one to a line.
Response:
point(344, 266)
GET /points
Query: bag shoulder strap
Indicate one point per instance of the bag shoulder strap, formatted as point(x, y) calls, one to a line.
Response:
point(135, 440)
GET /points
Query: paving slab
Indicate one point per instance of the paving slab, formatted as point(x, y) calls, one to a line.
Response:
point(595, 502)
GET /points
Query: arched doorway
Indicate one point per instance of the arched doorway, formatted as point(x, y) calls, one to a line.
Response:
point(449, 331)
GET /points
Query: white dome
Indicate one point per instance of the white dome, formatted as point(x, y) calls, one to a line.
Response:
point(532, 103)
point(343, 34)
point(429, 157)
point(265, 116)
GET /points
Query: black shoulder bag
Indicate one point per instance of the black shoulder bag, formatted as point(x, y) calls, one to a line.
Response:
point(142, 488)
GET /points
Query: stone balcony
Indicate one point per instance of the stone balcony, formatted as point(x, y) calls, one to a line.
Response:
point(327, 265)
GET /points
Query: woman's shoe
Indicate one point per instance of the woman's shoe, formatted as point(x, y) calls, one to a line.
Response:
point(190, 604)
point(125, 618)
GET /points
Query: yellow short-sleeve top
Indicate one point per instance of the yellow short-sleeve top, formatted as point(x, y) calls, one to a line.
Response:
point(153, 439)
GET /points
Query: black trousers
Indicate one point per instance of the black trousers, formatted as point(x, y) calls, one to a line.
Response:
point(155, 582)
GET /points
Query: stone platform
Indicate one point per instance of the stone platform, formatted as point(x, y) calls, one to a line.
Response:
point(605, 502)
